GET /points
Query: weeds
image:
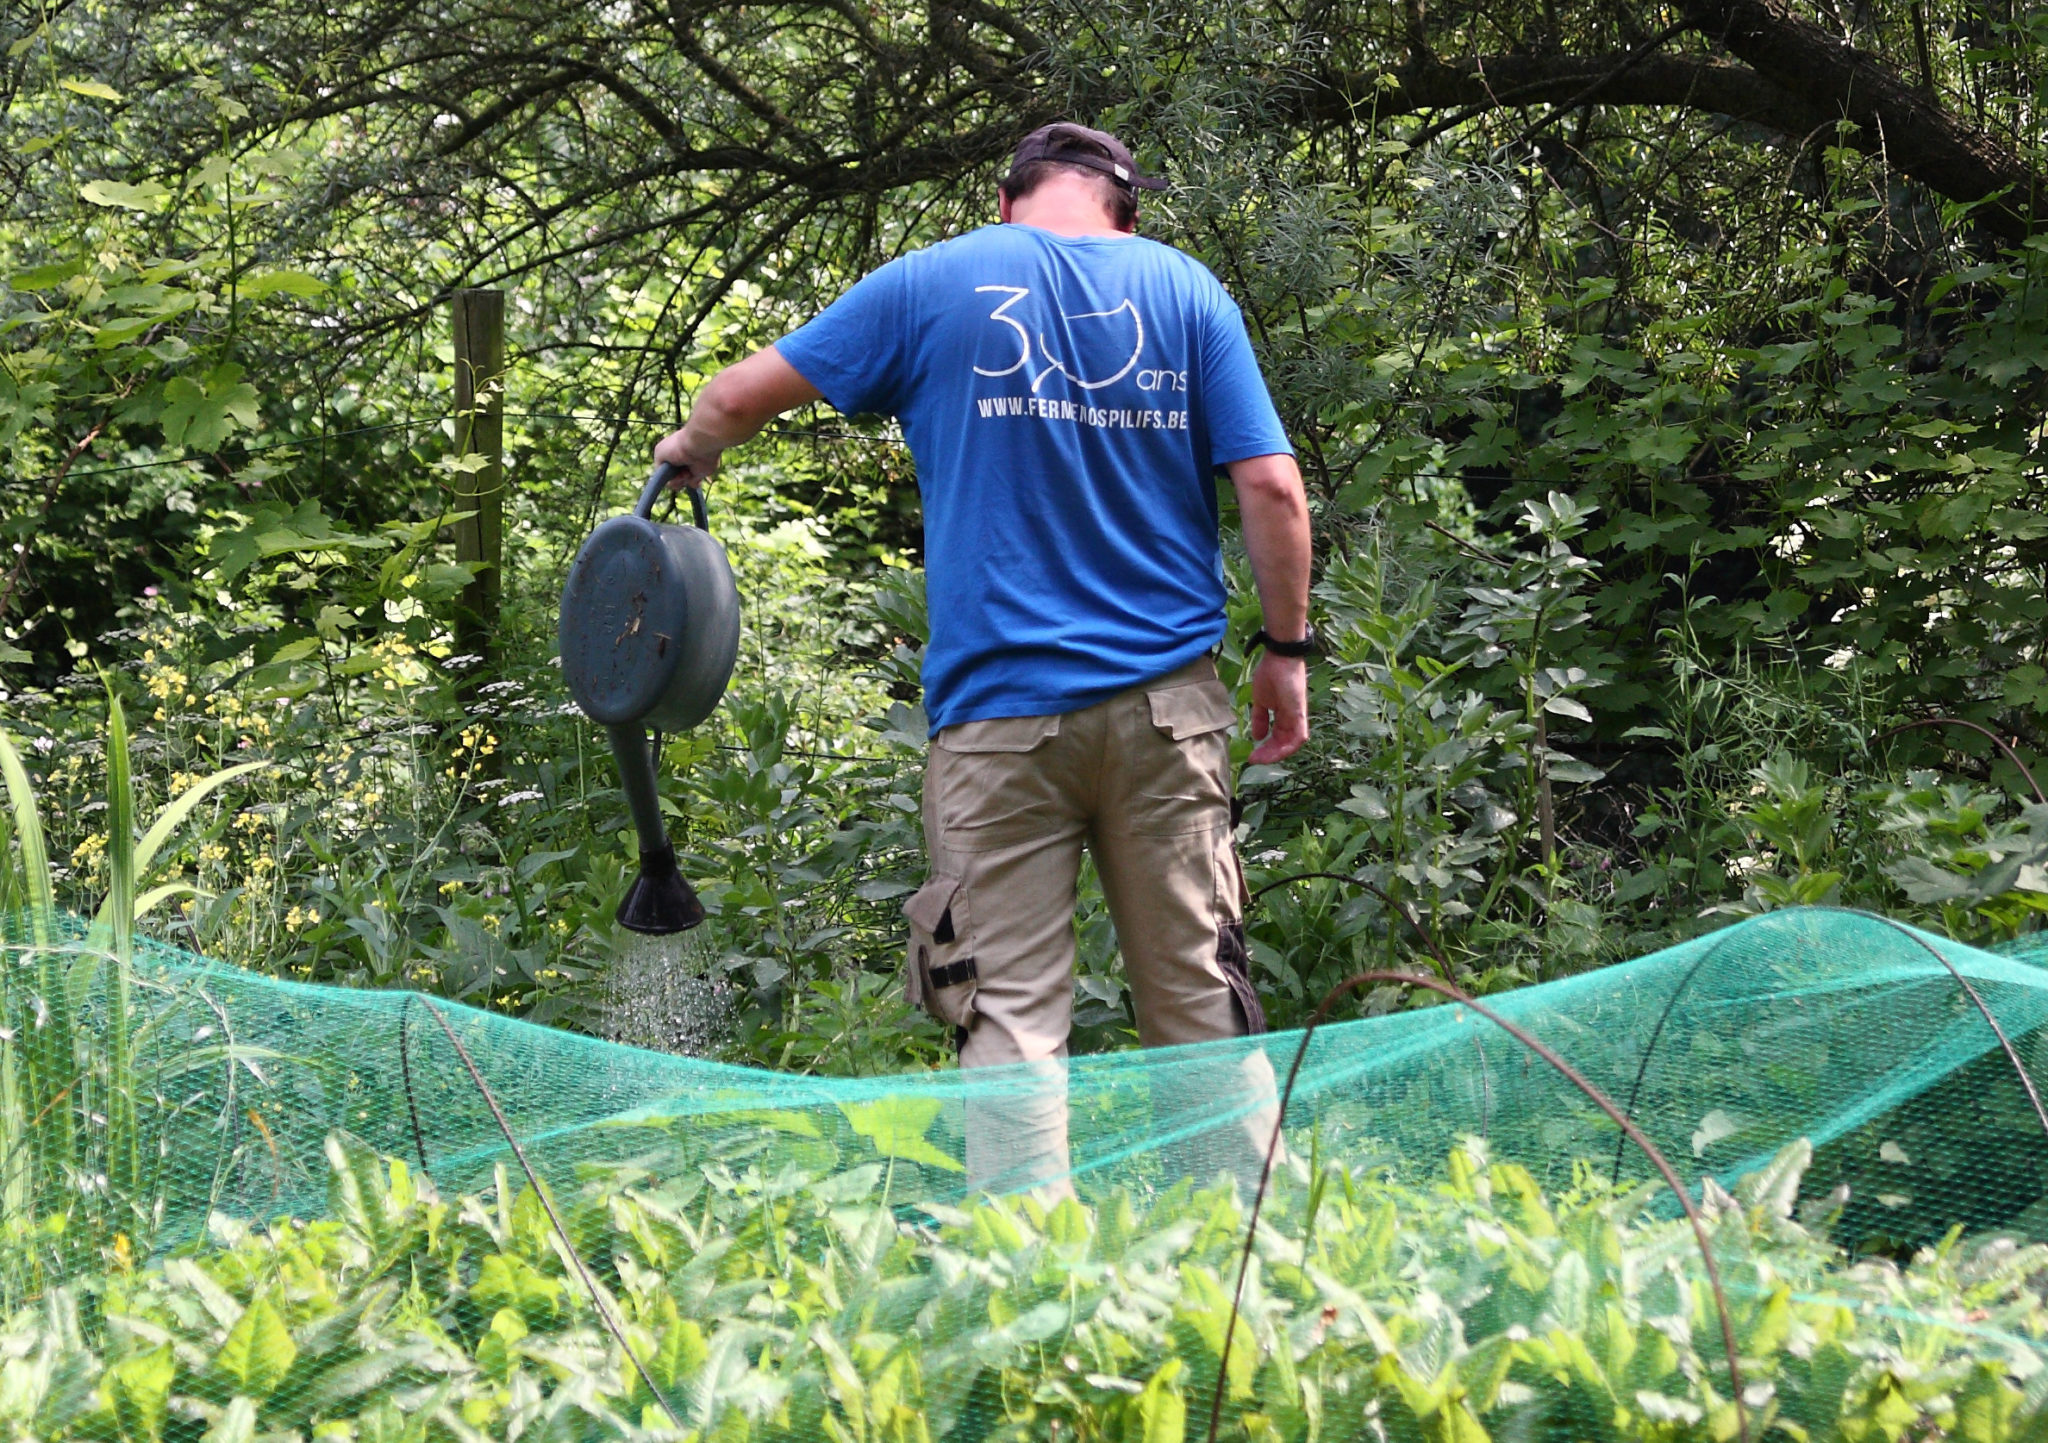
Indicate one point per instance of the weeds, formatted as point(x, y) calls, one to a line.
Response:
point(85, 1091)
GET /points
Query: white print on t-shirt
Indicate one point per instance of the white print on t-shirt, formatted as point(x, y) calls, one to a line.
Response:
point(1151, 379)
point(1054, 365)
point(1112, 417)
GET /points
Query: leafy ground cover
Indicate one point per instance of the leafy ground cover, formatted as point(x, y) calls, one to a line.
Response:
point(767, 1300)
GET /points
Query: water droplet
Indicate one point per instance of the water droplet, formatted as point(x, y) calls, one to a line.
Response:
point(666, 993)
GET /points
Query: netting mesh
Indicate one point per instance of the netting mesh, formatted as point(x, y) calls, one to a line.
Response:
point(219, 1222)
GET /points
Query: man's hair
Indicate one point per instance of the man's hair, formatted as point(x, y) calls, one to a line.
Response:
point(1121, 201)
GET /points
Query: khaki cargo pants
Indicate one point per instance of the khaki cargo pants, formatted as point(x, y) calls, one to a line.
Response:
point(1142, 780)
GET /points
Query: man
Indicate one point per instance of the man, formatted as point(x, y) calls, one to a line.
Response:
point(1068, 392)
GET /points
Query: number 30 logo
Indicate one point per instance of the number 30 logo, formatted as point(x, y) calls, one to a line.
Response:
point(1001, 315)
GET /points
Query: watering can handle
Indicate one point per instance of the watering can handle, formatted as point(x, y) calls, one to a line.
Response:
point(644, 508)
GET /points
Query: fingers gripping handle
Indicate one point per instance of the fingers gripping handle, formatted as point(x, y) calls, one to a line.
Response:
point(651, 493)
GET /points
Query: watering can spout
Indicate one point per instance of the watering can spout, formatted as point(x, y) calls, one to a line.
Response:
point(649, 631)
point(660, 901)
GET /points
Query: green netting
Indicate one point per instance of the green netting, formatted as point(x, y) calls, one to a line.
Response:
point(220, 1224)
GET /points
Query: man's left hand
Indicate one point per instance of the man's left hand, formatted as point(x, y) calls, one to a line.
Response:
point(1279, 707)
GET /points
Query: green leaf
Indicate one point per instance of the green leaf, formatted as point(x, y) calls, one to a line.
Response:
point(1162, 1411)
point(116, 920)
point(202, 416)
point(173, 816)
point(1368, 801)
point(897, 1127)
point(1774, 1187)
point(1924, 882)
point(504, 1281)
point(41, 278)
point(28, 834)
point(258, 1351)
point(494, 1350)
point(292, 283)
point(92, 88)
point(237, 1423)
point(119, 195)
point(881, 889)
point(156, 896)
point(681, 1353)
point(140, 1390)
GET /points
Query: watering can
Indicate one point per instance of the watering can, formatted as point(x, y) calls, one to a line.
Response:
point(650, 627)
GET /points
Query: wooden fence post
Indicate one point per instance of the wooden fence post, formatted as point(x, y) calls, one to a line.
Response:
point(479, 319)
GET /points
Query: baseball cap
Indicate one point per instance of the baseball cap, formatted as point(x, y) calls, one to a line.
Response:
point(1071, 144)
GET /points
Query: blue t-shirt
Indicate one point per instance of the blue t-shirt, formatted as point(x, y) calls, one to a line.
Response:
point(1067, 401)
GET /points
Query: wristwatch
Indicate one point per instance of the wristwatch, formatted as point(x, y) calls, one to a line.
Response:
point(1305, 647)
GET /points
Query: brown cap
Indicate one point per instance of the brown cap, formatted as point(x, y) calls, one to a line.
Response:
point(1071, 144)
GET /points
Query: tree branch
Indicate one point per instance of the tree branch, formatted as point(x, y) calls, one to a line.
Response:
point(1798, 79)
point(1916, 134)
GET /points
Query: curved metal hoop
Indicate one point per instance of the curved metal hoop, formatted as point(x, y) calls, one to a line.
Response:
point(2012, 1055)
point(1993, 737)
point(1649, 1048)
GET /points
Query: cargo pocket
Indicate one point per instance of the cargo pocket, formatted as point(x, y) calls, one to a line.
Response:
point(940, 976)
point(1234, 959)
point(1193, 710)
point(1183, 776)
point(999, 734)
point(991, 783)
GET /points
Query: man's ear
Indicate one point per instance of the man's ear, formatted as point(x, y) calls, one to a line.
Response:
point(1002, 205)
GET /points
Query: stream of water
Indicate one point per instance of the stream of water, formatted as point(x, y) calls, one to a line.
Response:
point(666, 993)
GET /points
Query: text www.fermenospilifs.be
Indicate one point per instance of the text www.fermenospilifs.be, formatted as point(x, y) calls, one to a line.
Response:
point(1112, 417)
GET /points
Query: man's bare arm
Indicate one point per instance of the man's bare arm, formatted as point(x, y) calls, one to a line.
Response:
point(1274, 509)
point(732, 407)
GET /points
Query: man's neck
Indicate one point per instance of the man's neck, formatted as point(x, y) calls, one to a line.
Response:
point(1067, 223)
point(1065, 206)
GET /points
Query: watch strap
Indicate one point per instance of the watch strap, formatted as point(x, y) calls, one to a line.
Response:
point(1306, 646)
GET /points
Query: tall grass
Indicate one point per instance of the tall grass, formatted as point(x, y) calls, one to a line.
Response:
point(81, 1110)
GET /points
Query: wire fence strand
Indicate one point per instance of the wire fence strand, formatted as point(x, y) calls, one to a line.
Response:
point(190, 458)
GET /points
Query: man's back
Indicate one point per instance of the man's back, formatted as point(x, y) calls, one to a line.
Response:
point(1068, 391)
point(1067, 399)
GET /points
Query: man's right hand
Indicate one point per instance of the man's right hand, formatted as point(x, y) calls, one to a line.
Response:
point(1279, 707)
point(693, 467)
